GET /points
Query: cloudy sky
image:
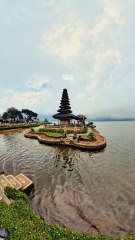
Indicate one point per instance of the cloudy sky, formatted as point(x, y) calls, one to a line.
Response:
point(85, 46)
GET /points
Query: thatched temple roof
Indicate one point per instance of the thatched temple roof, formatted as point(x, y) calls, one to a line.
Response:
point(64, 111)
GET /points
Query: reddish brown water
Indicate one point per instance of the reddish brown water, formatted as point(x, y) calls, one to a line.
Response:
point(91, 192)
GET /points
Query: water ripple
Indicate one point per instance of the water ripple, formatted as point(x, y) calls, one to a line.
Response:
point(91, 192)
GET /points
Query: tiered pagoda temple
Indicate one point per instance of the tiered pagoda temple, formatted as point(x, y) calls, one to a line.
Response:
point(64, 114)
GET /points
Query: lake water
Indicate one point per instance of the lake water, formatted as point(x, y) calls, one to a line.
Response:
point(90, 192)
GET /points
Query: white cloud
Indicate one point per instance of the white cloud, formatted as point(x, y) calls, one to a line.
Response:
point(64, 42)
point(38, 84)
point(31, 100)
point(105, 63)
point(48, 3)
point(94, 44)
point(112, 12)
point(94, 53)
point(35, 98)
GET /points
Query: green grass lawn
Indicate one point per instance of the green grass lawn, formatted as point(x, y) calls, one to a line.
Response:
point(53, 134)
point(23, 224)
point(49, 134)
point(83, 135)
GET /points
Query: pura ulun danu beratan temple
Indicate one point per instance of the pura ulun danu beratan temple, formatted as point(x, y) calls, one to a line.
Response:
point(67, 133)
point(65, 114)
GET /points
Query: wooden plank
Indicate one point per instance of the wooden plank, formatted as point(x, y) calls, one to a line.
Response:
point(25, 182)
point(17, 185)
point(4, 182)
point(4, 197)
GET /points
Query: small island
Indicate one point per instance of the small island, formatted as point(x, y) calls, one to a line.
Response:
point(71, 130)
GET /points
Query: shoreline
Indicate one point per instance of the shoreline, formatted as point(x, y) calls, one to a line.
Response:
point(15, 128)
point(29, 225)
point(10, 131)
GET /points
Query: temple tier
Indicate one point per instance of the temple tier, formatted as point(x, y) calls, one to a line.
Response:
point(64, 112)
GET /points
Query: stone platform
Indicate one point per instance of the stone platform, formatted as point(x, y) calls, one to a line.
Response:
point(98, 144)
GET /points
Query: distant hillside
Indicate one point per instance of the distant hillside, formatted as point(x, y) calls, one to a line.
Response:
point(49, 117)
point(110, 119)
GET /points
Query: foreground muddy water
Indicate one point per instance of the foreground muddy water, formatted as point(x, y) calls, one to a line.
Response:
point(89, 192)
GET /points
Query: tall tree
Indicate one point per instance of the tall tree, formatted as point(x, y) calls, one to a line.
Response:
point(29, 115)
point(12, 114)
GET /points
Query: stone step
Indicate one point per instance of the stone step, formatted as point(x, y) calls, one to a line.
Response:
point(17, 185)
point(4, 182)
point(18, 182)
point(24, 181)
point(4, 197)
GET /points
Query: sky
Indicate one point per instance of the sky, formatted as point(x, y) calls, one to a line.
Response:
point(85, 46)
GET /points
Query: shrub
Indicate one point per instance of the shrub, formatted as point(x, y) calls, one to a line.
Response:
point(15, 194)
point(69, 131)
point(91, 136)
point(90, 124)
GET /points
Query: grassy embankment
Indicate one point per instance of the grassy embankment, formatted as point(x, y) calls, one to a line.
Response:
point(23, 224)
point(18, 126)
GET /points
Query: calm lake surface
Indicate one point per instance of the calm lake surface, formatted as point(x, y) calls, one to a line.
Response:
point(90, 192)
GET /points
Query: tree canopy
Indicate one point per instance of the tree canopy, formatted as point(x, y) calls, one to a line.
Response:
point(14, 115)
point(28, 114)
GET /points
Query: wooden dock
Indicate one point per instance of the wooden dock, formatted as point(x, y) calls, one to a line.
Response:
point(18, 182)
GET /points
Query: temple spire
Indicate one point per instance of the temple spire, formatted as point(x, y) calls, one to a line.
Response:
point(64, 113)
point(64, 107)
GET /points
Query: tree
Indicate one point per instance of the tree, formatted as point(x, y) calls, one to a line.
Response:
point(29, 115)
point(1, 119)
point(13, 115)
point(5, 116)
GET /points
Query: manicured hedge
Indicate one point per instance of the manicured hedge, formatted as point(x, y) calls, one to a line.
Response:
point(61, 130)
point(20, 126)
point(51, 130)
